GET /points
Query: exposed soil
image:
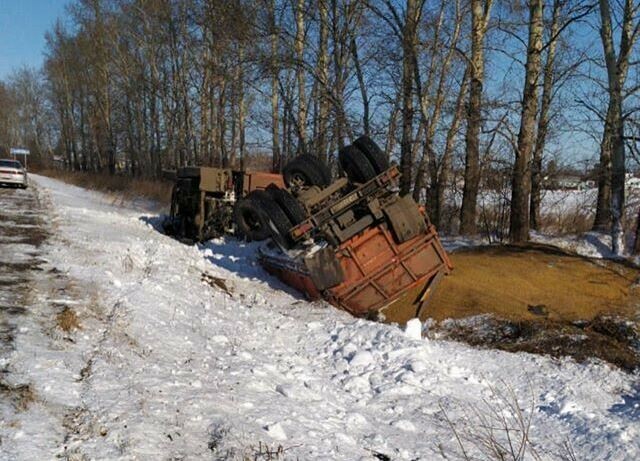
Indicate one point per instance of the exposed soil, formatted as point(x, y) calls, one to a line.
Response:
point(539, 299)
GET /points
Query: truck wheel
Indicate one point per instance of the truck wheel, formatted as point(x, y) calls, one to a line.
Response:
point(306, 171)
point(274, 214)
point(356, 165)
point(292, 208)
point(250, 220)
point(373, 152)
point(254, 215)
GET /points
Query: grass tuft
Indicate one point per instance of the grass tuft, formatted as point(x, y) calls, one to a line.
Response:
point(67, 320)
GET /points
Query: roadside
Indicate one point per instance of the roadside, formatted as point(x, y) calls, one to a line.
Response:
point(190, 352)
point(41, 359)
point(118, 190)
point(22, 232)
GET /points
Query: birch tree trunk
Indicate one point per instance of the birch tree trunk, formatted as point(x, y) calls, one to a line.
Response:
point(543, 120)
point(521, 180)
point(362, 85)
point(480, 11)
point(275, 115)
point(323, 84)
point(602, 221)
point(300, 77)
point(429, 158)
point(339, 63)
point(617, 68)
point(440, 181)
point(409, 38)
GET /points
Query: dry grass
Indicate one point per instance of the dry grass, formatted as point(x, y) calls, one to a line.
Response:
point(502, 427)
point(123, 186)
point(20, 396)
point(611, 339)
point(573, 222)
point(67, 320)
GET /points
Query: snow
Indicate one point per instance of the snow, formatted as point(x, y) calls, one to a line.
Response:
point(590, 244)
point(168, 364)
point(413, 329)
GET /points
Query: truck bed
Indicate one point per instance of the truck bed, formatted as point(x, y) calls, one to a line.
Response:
point(381, 278)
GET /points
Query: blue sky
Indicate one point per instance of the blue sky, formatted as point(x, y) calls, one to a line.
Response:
point(23, 24)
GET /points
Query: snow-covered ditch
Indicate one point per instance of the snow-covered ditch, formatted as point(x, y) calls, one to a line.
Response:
point(190, 352)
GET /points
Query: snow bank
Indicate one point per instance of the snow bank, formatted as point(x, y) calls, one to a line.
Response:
point(194, 352)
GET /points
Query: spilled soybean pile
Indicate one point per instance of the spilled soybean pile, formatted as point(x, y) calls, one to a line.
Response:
point(540, 299)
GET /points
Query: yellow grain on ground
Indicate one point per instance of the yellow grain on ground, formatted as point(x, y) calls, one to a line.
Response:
point(511, 282)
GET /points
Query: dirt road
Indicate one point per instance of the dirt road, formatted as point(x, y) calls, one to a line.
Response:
point(22, 232)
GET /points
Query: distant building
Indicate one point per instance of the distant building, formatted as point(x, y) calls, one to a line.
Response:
point(565, 181)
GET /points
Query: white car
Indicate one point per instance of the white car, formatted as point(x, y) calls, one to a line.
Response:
point(13, 173)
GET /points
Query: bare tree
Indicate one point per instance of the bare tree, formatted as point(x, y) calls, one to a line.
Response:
point(480, 12)
point(521, 179)
point(544, 116)
point(300, 76)
point(409, 39)
point(432, 101)
point(275, 91)
point(323, 80)
point(138, 86)
point(617, 64)
point(441, 175)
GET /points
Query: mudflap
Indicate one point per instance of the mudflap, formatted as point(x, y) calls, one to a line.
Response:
point(405, 218)
point(325, 269)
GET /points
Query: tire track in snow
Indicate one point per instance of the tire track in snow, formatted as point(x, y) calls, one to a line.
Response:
point(21, 234)
point(81, 423)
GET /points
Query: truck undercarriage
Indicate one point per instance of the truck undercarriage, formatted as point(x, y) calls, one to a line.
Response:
point(355, 241)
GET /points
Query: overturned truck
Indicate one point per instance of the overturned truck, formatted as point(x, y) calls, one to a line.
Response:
point(355, 242)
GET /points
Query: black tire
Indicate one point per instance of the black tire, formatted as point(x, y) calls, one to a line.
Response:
point(250, 219)
point(373, 152)
point(319, 166)
point(356, 165)
point(274, 214)
point(255, 213)
point(292, 207)
point(305, 171)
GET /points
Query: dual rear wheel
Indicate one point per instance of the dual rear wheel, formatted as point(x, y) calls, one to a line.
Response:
point(363, 160)
point(268, 213)
point(273, 212)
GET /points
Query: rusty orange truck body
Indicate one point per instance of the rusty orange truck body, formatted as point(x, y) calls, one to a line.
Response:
point(383, 279)
point(353, 241)
point(383, 271)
